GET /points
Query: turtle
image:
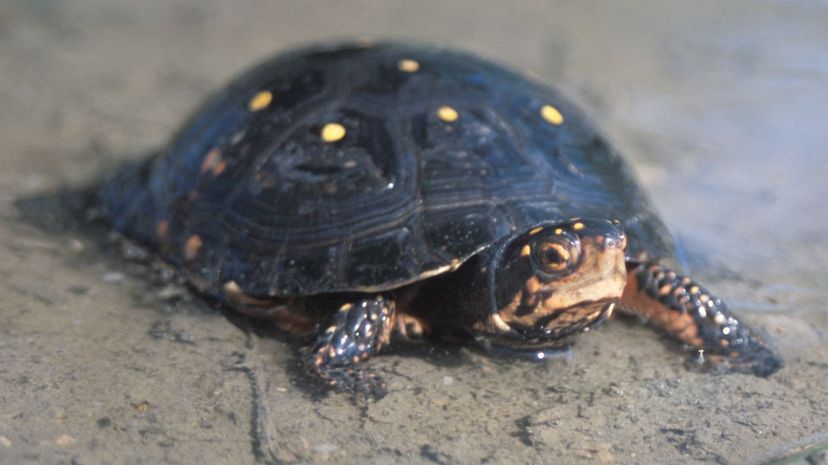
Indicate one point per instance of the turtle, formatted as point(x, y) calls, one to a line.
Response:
point(359, 194)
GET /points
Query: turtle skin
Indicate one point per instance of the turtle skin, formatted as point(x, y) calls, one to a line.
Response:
point(357, 192)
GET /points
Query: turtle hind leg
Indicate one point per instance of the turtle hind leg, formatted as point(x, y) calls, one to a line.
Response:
point(691, 314)
point(355, 332)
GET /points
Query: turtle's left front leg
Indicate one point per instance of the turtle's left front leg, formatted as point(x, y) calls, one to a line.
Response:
point(691, 314)
point(358, 330)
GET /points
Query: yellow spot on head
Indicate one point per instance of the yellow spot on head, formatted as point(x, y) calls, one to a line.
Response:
point(191, 247)
point(333, 132)
point(578, 226)
point(525, 251)
point(551, 115)
point(447, 114)
point(536, 230)
point(260, 101)
point(408, 66)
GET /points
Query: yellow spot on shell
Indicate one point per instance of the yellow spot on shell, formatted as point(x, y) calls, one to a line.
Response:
point(408, 66)
point(333, 132)
point(260, 101)
point(525, 251)
point(536, 230)
point(578, 226)
point(558, 231)
point(551, 115)
point(447, 114)
point(191, 247)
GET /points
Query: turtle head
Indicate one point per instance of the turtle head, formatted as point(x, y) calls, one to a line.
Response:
point(552, 282)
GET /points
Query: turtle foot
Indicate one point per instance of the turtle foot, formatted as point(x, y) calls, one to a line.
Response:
point(354, 333)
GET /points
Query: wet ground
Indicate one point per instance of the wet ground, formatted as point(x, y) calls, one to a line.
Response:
point(721, 108)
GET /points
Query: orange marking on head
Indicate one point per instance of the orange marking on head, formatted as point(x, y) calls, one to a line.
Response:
point(532, 285)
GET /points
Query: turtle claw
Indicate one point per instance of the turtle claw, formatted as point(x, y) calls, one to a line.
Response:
point(362, 382)
point(760, 361)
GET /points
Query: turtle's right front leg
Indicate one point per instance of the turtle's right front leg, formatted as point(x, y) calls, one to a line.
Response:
point(356, 331)
point(690, 313)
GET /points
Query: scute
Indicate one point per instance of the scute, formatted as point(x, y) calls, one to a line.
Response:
point(403, 193)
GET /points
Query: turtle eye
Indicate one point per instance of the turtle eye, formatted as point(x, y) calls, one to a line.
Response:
point(555, 255)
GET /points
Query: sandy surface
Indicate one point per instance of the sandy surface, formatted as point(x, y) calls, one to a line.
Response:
point(721, 110)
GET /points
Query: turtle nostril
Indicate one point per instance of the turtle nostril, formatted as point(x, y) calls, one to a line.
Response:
point(615, 242)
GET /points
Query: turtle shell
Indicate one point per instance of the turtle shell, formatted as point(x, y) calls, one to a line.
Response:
point(364, 168)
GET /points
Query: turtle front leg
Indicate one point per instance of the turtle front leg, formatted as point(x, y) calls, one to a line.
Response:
point(691, 314)
point(356, 331)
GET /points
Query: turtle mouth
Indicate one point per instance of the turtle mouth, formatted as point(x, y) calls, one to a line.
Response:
point(553, 330)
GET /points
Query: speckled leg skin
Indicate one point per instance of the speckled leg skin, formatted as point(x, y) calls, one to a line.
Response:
point(354, 333)
point(691, 314)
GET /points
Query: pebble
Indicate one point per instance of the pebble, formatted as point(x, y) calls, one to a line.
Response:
point(112, 277)
point(4, 441)
point(448, 380)
point(323, 451)
point(65, 440)
point(75, 245)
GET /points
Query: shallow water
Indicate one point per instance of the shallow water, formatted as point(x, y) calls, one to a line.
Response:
point(721, 109)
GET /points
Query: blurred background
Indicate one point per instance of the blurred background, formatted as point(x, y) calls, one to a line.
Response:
point(721, 107)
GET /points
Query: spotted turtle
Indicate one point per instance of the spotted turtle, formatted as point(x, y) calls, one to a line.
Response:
point(362, 193)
